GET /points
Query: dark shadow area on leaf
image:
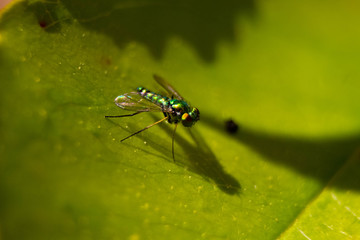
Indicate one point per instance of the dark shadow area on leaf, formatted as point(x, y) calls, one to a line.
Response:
point(352, 169)
point(199, 157)
point(202, 161)
point(206, 162)
point(314, 157)
point(50, 15)
point(200, 23)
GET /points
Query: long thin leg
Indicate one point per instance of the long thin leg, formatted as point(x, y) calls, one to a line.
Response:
point(127, 115)
point(173, 140)
point(145, 128)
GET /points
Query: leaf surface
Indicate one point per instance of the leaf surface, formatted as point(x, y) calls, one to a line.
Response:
point(285, 72)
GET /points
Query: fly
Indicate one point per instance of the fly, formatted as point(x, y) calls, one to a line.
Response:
point(174, 108)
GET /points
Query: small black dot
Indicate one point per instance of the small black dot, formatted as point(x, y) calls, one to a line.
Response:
point(231, 126)
point(42, 24)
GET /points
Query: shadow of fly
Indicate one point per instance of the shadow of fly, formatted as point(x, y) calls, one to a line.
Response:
point(174, 108)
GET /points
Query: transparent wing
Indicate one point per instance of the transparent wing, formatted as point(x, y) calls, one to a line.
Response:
point(134, 102)
point(170, 89)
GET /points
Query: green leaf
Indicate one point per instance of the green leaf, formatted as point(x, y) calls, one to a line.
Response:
point(285, 72)
point(334, 213)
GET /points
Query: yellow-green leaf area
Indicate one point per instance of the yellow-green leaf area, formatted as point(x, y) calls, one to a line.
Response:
point(285, 72)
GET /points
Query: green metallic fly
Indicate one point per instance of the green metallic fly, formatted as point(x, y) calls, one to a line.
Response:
point(175, 109)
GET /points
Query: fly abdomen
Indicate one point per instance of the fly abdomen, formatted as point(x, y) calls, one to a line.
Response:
point(158, 99)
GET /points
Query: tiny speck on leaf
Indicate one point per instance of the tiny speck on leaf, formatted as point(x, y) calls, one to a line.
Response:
point(231, 126)
point(42, 24)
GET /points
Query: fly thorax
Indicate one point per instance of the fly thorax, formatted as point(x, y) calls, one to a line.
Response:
point(179, 107)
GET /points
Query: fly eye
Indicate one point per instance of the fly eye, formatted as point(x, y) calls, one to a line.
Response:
point(187, 120)
point(195, 114)
point(186, 117)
